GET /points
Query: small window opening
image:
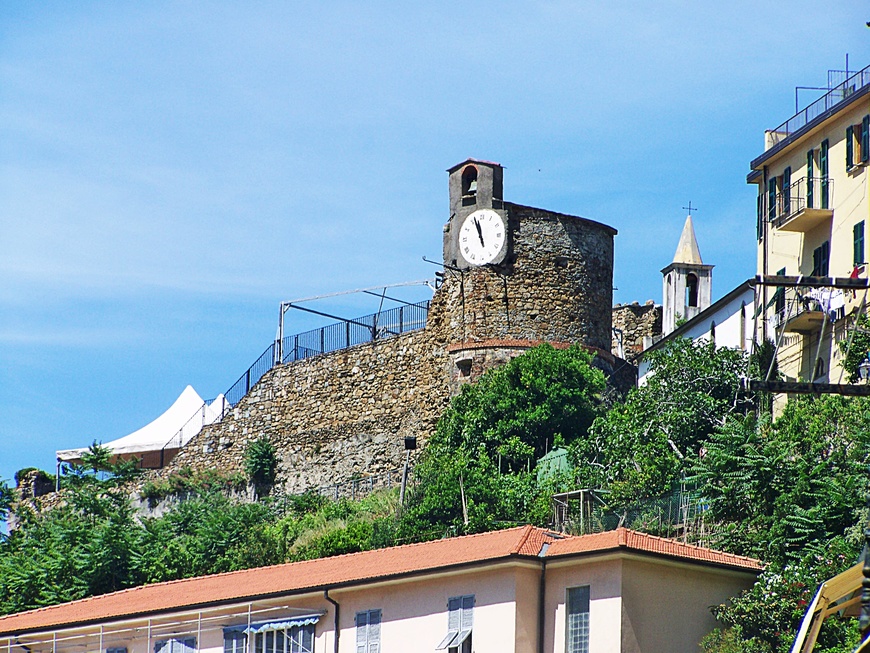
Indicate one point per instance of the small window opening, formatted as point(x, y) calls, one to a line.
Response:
point(469, 181)
point(691, 290)
point(820, 368)
point(464, 366)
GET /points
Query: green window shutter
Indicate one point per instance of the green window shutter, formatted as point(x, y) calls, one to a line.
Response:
point(823, 172)
point(810, 173)
point(786, 191)
point(858, 244)
point(865, 139)
point(850, 136)
point(771, 198)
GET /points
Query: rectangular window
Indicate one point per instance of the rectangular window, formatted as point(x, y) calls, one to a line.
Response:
point(368, 631)
point(823, 173)
point(858, 244)
point(117, 649)
point(292, 635)
point(577, 625)
point(460, 615)
point(810, 180)
point(850, 147)
point(865, 139)
point(176, 645)
point(821, 256)
point(235, 641)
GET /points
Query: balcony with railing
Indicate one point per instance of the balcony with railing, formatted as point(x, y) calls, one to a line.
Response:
point(802, 205)
point(805, 310)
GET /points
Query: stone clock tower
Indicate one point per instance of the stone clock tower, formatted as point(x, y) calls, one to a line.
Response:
point(516, 276)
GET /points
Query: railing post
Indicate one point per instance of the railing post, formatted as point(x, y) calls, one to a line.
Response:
point(248, 381)
point(296, 348)
point(347, 334)
point(401, 319)
point(321, 341)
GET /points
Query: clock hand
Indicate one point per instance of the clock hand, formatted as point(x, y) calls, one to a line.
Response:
point(479, 232)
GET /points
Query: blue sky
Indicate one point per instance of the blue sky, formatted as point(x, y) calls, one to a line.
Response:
point(171, 171)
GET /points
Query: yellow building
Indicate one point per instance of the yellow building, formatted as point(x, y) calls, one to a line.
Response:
point(813, 188)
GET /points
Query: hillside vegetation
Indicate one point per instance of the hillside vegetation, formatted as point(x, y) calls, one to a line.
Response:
point(789, 491)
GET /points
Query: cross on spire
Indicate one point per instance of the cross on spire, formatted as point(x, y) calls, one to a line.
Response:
point(690, 208)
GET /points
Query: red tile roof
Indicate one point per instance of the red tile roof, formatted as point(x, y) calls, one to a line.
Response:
point(354, 569)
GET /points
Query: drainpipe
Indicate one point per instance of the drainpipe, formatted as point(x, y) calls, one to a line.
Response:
point(542, 594)
point(335, 621)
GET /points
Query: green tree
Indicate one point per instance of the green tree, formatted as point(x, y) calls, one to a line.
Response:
point(477, 472)
point(856, 347)
point(641, 448)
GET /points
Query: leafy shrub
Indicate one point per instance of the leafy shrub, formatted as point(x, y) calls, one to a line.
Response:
point(261, 463)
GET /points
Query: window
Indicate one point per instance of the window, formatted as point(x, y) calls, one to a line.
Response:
point(293, 635)
point(460, 613)
point(235, 641)
point(850, 146)
point(368, 631)
point(821, 257)
point(691, 290)
point(858, 244)
point(577, 624)
point(823, 173)
point(177, 645)
point(117, 649)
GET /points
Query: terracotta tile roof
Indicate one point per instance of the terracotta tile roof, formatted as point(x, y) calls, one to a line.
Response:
point(353, 568)
point(624, 538)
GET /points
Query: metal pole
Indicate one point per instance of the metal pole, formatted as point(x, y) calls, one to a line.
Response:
point(404, 479)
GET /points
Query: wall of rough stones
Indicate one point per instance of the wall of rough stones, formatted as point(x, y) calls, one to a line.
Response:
point(552, 286)
point(633, 323)
point(334, 416)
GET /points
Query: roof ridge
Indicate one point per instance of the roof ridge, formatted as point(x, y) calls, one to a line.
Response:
point(528, 529)
point(696, 547)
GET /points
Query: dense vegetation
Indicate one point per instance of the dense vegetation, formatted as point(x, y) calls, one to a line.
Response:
point(789, 491)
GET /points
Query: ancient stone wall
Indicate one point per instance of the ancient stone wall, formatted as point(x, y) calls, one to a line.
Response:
point(632, 323)
point(335, 416)
point(556, 285)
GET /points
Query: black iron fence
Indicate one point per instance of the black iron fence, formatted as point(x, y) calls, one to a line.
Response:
point(348, 333)
point(829, 100)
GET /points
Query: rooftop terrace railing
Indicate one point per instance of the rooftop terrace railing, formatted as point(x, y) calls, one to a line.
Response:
point(341, 335)
point(333, 337)
point(829, 100)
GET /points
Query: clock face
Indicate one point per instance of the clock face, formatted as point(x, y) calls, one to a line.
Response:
point(481, 237)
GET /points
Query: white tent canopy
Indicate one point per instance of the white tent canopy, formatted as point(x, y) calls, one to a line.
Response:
point(171, 431)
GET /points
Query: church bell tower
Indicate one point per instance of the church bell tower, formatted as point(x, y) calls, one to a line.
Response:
point(687, 285)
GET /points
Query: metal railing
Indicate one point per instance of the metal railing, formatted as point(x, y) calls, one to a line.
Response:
point(354, 332)
point(812, 193)
point(829, 100)
point(333, 337)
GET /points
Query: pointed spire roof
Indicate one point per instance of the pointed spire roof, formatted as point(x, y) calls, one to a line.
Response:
point(687, 250)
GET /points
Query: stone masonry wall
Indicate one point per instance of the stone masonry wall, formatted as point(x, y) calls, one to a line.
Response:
point(335, 416)
point(557, 285)
point(633, 323)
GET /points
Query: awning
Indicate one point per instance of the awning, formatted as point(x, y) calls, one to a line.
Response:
point(271, 626)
